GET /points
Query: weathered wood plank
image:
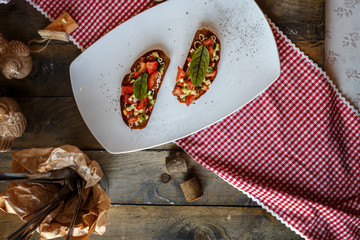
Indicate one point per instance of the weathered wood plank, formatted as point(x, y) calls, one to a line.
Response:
point(20, 21)
point(55, 121)
point(135, 178)
point(49, 76)
point(298, 19)
point(313, 49)
point(161, 222)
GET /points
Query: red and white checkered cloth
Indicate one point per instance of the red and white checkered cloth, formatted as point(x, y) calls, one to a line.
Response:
point(295, 149)
point(95, 18)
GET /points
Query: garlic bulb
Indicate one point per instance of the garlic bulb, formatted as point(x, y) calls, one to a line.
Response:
point(15, 59)
point(12, 123)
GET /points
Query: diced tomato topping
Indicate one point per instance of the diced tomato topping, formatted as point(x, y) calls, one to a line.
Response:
point(211, 49)
point(208, 41)
point(151, 67)
point(127, 99)
point(211, 74)
point(132, 120)
point(190, 85)
point(143, 59)
point(190, 99)
point(126, 90)
point(205, 87)
point(146, 101)
point(130, 113)
point(136, 74)
point(150, 108)
point(152, 79)
point(177, 91)
point(189, 59)
point(141, 70)
point(151, 58)
point(180, 74)
point(141, 105)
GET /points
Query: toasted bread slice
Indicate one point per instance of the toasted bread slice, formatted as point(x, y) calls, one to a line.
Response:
point(200, 38)
point(136, 114)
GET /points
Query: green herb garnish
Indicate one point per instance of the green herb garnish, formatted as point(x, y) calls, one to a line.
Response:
point(199, 65)
point(140, 86)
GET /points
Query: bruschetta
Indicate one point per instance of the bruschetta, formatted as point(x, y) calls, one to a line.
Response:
point(200, 68)
point(140, 87)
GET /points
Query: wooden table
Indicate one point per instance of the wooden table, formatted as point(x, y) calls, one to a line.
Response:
point(143, 207)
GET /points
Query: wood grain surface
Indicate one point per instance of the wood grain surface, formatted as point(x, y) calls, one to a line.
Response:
point(179, 222)
point(144, 207)
point(135, 178)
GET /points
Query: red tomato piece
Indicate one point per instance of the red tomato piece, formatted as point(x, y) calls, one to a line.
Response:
point(180, 74)
point(177, 91)
point(141, 105)
point(141, 70)
point(125, 90)
point(151, 67)
point(190, 85)
point(211, 50)
point(130, 113)
point(152, 80)
point(189, 59)
point(205, 87)
point(143, 59)
point(150, 108)
point(132, 120)
point(211, 74)
point(151, 58)
point(190, 99)
point(146, 102)
point(208, 41)
point(127, 99)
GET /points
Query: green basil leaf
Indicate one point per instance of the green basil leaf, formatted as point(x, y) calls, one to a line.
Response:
point(140, 86)
point(199, 65)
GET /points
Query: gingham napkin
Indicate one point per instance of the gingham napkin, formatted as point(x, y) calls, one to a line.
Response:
point(294, 149)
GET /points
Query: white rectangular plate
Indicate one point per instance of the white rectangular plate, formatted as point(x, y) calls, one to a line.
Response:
point(249, 64)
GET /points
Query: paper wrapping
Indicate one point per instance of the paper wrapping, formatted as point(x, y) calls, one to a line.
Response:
point(25, 199)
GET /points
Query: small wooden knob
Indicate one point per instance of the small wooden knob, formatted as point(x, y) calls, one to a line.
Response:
point(176, 164)
point(191, 189)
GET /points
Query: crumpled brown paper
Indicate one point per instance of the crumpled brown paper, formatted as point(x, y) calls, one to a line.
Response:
point(25, 199)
